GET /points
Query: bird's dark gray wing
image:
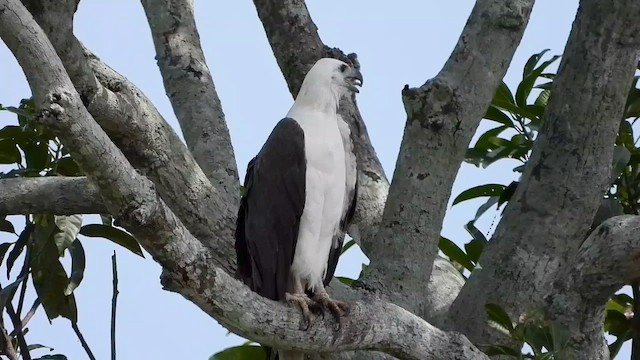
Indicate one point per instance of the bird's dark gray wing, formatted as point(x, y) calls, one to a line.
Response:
point(270, 210)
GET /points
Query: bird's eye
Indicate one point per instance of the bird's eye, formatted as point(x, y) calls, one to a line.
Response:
point(343, 68)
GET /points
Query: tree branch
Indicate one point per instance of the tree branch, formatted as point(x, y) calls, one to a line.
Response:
point(190, 88)
point(59, 195)
point(141, 133)
point(373, 324)
point(606, 261)
point(297, 46)
point(568, 171)
point(442, 116)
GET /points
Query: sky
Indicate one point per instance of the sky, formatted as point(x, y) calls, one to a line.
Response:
point(404, 43)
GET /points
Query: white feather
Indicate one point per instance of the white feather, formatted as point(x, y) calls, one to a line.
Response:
point(315, 109)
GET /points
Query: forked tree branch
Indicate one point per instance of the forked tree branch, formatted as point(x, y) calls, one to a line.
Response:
point(442, 116)
point(568, 171)
point(192, 93)
point(607, 260)
point(142, 134)
point(373, 324)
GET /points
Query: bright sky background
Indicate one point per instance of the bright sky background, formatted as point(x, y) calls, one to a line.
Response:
point(404, 43)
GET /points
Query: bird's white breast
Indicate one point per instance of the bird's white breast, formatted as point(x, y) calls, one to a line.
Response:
point(324, 196)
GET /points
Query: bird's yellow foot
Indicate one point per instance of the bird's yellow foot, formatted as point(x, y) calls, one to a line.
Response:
point(339, 309)
point(304, 303)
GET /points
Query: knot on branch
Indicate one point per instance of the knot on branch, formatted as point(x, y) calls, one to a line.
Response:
point(429, 103)
point(510, 15)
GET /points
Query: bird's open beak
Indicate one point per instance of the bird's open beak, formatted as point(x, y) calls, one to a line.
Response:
point(354, 79)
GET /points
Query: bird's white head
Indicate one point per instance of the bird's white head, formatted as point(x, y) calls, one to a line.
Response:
point(327, 81)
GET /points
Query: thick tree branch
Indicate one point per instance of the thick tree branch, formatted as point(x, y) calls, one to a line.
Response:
point(141, 133)
point(442, 116)
point(606, 261)
point(59, 195)
point(190, 88)
point(373, 324)
point(297, 46)
point(568, 172)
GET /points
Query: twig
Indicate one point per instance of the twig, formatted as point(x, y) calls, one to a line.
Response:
point(17, 328)
point(28, 317)
point(24, 272)
point(114, 268)
point(8, 349)
point(74, 326)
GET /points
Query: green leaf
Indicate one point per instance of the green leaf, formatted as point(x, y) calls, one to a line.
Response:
point(344, 280)
point(77, 266)
point(486, 141)
point(347, 246)
point(543, 98)
point(614, 348)
point(486, 206)
point(530, 65)
point(19, 246)
point(494, 350)
point(479, 191)
point(621, 157)
point(116, 235)
point(7, 226)
point(508, 192)
point(106, 219)
point(619, 302)
point(48, 275)
point(474, 232)
point(6, 294)
point(36, 154)
point(560, 336)
point(617, 324)
point(242, 352)
point(68, 226)
point(3, 249)
point(52, 357)
point(495, 114)
point(39, 346)
point(9, 153)
point(499, 316)
point(625, 134)
point(474, 249)
point(516, 110)
point(537, 337)
point(68, 167)
point(450, 249)
point(526, 85)
point(503, 93)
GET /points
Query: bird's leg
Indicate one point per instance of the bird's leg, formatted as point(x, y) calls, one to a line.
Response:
point(338, 308)
point(300, 298)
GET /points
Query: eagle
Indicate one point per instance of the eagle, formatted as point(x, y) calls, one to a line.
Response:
point(300, 197)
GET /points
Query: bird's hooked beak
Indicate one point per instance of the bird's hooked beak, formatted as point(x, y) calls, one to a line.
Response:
point(354, 79)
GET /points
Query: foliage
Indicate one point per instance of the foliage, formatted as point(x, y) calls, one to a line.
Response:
point(29, 150)
point(517, 120)
point(548, 340)
point(246, 351)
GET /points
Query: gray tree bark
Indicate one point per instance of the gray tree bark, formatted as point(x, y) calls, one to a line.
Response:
point(180, 200)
